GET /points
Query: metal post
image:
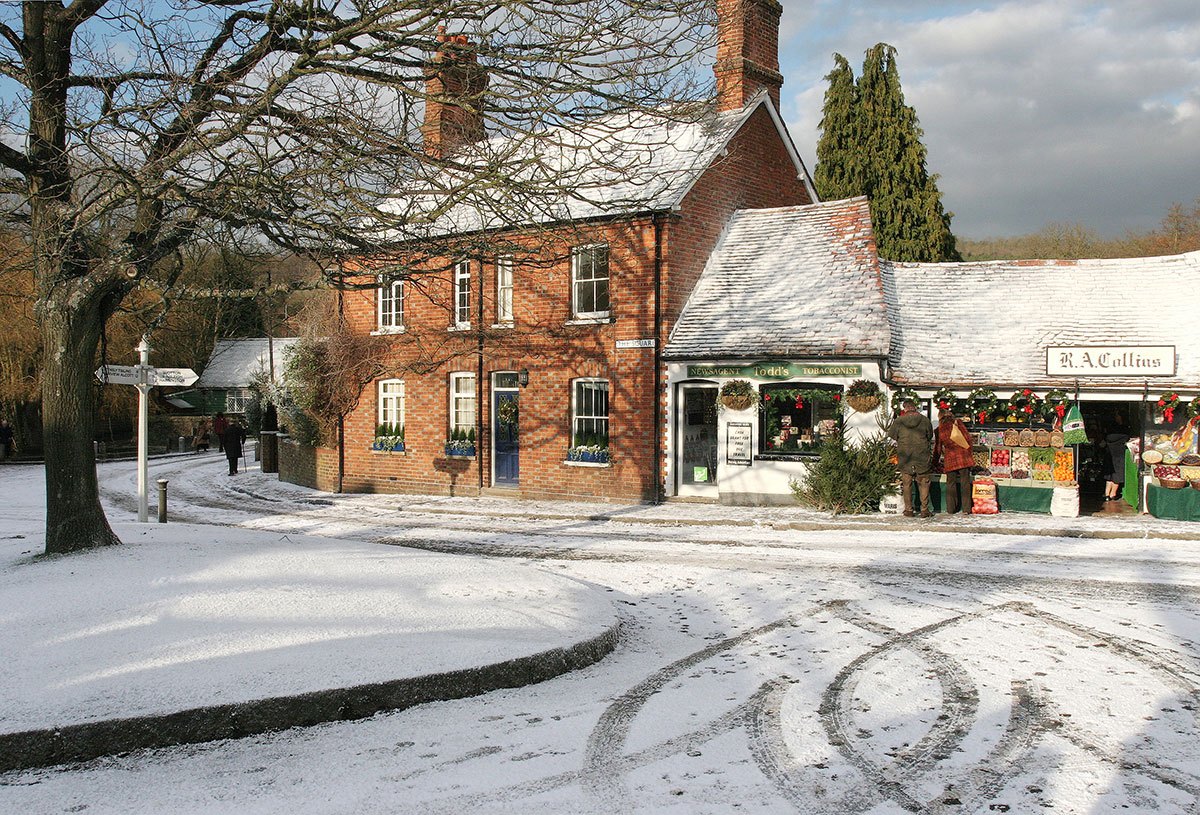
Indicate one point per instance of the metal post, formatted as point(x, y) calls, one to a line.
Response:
point(162, 500)
point(143, 467)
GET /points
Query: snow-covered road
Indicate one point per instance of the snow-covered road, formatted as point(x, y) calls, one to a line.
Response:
point(765, 665)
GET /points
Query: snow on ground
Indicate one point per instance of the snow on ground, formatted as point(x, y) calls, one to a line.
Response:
point(764, 666)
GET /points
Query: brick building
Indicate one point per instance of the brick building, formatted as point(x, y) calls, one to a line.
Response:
point(535, 366)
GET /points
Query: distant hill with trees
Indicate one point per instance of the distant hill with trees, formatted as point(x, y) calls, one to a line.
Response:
point(1179, 231)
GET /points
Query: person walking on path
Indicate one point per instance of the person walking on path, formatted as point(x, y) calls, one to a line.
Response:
point(913, 433)
point(200, 436)
point(952, 444)
point(231, 442)
point(220, 425)
point(8, 440)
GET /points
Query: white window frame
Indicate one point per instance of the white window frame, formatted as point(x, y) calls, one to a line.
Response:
point(583, 259)
point(462, 294)
point(389, 293)
point(463, 404)
point(581, 413)
point(236, 399)
point(389, 402)
point(504, 290)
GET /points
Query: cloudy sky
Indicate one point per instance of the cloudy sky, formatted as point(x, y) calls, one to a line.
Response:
point(1060, 110)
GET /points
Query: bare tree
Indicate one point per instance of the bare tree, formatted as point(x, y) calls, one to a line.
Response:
point(137, 124)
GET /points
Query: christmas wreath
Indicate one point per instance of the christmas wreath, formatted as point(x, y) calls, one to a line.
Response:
point(903, 395)
point(945, 399)
point(1168, 403)
point(1056, 403)
point(1024, 404)
point(983, 403)
point(1194, 408)
point(509, 412)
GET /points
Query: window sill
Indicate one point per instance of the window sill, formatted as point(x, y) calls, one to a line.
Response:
point(802, 457)
point(502, 325)
point(592, 464)
point(459, 327)
point(381, 332)
point(589, 321)
point(388, 452)
point(457, 456)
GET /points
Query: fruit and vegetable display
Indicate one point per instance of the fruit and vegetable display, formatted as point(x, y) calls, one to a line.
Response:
point(1064, 465)
point(1001, 463)
point(1021, 464)
point(1042, 464)
point(983, 497)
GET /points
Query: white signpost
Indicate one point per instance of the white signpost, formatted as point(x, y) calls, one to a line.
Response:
point(144, 378)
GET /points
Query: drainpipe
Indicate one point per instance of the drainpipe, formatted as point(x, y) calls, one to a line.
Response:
point(658, 451)
point(479, 381)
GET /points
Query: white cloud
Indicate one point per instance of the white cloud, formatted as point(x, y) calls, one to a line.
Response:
point(1033, 112)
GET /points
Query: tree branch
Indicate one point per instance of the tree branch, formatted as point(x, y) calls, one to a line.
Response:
point(14, 159)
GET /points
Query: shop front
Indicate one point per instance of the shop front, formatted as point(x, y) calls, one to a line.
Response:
point(742, 431)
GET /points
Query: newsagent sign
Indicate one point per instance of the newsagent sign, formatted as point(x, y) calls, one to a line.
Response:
point(1110, 360)
point(774, 370)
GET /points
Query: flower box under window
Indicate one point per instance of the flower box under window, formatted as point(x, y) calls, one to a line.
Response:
point(588, 454)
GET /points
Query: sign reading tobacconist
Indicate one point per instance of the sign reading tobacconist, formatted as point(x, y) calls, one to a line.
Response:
point(1110, 360)
point(774, 370)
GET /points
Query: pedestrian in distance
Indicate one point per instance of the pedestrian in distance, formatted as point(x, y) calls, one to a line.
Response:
point(913, 433)
point(231, 442)
point(1115, 440)
point(220, 425)
point(8, 441)
point(200, 436)
point(952, 445)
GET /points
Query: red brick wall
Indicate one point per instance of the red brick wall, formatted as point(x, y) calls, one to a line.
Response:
point(541, 341)
point(315, 467)
point(747, 52)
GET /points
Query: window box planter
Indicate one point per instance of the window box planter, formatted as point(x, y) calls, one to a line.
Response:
point(387, 445)
point(588, 455)
point(464, 449)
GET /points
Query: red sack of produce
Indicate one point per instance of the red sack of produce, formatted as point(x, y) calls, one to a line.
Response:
point(983, 497)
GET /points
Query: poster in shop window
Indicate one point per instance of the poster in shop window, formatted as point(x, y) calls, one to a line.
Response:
point(737, 443)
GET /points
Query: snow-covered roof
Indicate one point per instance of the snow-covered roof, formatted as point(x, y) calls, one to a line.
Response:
point(235, 363)
point(799, 281)
point(989, 323)
point(620, 164)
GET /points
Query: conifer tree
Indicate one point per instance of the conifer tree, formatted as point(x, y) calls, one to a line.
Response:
point(876, 150)
point(839, 169)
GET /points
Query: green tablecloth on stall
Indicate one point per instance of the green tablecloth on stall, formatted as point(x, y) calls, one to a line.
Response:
point(1129, 491)
point(1178, 505)
point(1011, 498)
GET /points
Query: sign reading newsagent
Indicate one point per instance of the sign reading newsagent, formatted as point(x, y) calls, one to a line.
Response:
point(1110, 360)
point(774, 370)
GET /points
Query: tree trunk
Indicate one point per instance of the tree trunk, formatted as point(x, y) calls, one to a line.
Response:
point(74, 518)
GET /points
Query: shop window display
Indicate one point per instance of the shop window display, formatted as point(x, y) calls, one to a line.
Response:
point(794, 420)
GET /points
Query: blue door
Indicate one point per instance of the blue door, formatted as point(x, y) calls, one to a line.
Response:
point(505, 424)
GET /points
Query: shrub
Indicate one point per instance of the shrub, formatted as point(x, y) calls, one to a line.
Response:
point(848, 479)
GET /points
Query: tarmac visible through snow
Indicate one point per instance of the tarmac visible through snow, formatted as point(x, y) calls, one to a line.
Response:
point(770, 661)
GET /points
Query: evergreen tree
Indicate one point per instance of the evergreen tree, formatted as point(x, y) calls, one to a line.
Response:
point(839, 169)
point(872, 146)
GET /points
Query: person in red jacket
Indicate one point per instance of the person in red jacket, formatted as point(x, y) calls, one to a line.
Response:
point(220, 425)
point(954, 449)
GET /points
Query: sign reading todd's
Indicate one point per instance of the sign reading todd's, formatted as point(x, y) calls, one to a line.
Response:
point(1110, 360)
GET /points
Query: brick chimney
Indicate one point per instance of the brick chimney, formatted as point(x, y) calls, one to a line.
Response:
point(747, 52)
point(454, 93)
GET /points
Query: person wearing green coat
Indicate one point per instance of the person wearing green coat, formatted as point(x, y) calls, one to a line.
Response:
point(913, 433)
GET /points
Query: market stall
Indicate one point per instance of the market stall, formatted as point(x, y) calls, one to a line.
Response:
point(1171, 459)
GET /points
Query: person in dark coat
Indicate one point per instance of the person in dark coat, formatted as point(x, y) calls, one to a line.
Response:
point(957, 461)
point(7, 440)
point(913, 433)
point(231, 442)
point(1115, 441)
